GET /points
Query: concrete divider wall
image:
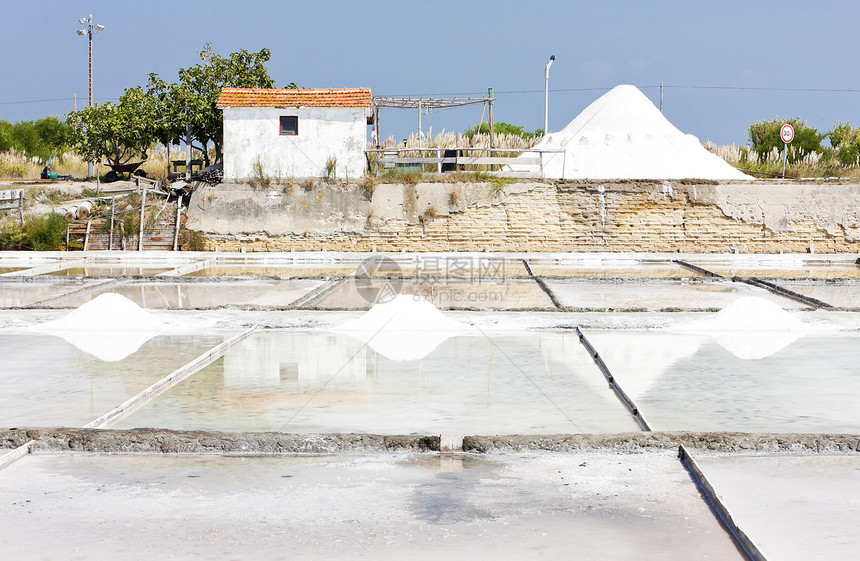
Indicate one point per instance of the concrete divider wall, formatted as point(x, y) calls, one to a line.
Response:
point(635, 216)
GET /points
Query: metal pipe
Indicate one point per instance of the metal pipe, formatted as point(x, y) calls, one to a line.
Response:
point(546, 97)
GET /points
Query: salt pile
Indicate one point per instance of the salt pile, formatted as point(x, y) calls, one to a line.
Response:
point(622, 135)
point(750, 328)
point(109, 327)
point(404, 328)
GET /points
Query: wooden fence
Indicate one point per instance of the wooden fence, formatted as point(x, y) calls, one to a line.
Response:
point(107, 232)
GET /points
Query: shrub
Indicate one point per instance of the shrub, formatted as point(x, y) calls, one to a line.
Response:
point(192, 240)
point(501, 128)
point(764, 136)
point(845, 141)
point(45, 233)
point(331, 167)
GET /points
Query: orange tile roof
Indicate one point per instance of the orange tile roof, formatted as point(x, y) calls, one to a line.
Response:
point(249, 97)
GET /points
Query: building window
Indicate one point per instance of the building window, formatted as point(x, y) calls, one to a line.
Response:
point(290, 125)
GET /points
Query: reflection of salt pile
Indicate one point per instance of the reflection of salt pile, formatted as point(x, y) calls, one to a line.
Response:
point(109, 327)
point(623, 136)
point(750, 328)
point(404, 328)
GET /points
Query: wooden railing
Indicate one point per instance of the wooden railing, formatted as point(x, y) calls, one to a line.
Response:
point(495, 160)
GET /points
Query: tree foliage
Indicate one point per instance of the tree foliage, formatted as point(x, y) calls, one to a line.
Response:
point(845, 141)
point(169, 113)
point(39, 138)
point(765, 136)
point(501, 128)
point(189, 105)
point(116, 132)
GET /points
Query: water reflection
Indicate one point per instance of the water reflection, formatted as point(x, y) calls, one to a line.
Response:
point(321, 382)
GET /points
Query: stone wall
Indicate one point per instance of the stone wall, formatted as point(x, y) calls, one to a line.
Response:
point(761, 217)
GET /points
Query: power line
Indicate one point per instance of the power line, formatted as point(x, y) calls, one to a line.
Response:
point(49, 100)
point(643, 87)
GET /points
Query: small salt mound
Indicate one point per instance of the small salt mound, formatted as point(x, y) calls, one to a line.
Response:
point(403, 328)
point(749, 313)
point(110, 327)
point(750, 328)
point(107, 311)
point(622, 135)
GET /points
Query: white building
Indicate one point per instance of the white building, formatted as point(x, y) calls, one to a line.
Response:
point(294, 133)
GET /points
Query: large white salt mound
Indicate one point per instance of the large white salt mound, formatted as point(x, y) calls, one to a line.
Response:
point(110, 327)
point(622, 135)
point(404, 328)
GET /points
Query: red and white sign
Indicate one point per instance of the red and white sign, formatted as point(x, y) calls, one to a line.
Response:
point(787, 133)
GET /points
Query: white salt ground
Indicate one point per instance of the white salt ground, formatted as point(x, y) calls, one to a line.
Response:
point(622, 135)
point(404, 328)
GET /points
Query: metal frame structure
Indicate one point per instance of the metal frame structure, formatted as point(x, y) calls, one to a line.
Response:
point(425, 105)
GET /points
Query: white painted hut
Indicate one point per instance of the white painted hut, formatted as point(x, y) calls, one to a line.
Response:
point(294, 133)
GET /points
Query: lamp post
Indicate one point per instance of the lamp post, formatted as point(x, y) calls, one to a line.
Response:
point(546, 97)
point(90, 31)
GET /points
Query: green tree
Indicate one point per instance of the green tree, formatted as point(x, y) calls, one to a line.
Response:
point(190, 104)
point(765, 136)
point(39, 138)
point(55, 135)
point(845, 141)
point(116, 132)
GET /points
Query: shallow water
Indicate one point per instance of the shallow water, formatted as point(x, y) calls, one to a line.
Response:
point(319, 382)
point(655, 295)
point(46, 381)
point(203, 295)
point(487, 294)
point(110, 271)
point(17, 294)
point(700, 382)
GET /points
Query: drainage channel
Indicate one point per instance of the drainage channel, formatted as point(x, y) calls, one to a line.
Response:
point(763, 284)
point(741, 539)
point(613, 385)
point(776, 289)
point(310, 299)
point(743, 542)
point(543, 286)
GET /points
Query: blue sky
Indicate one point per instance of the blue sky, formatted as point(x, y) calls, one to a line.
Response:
point(723, 64)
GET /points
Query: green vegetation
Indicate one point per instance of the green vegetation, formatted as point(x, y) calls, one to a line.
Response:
point(502, 128)
point(765, 137)
point(39, 139)
point(845, 142)
point(331, 167)
point(169, 113)
point(41, 233)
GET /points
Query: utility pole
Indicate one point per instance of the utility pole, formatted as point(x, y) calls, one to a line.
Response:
point(89, 32)
point(661, 97)
point(546, 97)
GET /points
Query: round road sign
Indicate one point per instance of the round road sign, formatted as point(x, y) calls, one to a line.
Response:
point(787, 133)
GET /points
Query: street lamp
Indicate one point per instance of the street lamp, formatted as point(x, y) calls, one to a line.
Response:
point(90, 31)
point(546, 97)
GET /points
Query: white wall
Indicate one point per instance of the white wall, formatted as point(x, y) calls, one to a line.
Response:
point(252, 132)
